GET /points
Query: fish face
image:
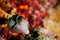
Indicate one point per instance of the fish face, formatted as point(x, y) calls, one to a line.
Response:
point(22, 27)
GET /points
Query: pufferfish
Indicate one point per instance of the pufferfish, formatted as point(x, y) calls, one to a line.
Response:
point(18, 24)
point(52, 23)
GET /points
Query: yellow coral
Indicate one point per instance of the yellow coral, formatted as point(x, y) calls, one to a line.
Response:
point(3, 14)
point(55, 14)
point(5, 5)
point(53, 22)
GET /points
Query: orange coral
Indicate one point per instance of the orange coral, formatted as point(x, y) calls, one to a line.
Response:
point(23, 7)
